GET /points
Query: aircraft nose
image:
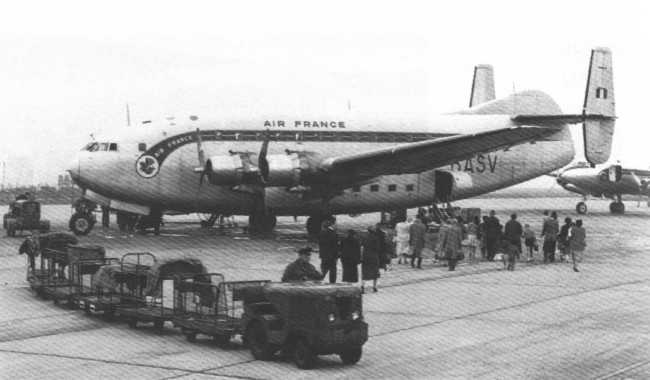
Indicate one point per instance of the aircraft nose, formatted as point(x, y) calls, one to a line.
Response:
point(74, 169)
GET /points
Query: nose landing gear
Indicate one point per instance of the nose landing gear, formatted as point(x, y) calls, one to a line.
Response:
point(82, 220)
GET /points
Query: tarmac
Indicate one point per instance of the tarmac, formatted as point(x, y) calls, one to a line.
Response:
point(542, 321)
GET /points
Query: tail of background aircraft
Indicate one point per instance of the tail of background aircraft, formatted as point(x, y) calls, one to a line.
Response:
point(482, 85)
point(599, 100)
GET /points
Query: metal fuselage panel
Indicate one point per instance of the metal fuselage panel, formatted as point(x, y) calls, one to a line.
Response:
point(176, 186)
point(592, 181)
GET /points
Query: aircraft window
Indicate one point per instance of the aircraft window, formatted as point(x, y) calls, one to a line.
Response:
point(374, 188)
point(91, 147)
point(356, 188)
point(392, 187)
point(103, 147)
point(112, 147)
point(142, 147)
point(410, 187)
point(601, 92)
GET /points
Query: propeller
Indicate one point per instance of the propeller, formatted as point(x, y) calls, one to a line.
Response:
point(262, 162)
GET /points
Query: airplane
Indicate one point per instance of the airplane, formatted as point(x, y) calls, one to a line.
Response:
point(317, 166)
point(611, 182)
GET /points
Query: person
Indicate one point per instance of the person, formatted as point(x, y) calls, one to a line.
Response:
point(482, 236)
point(563, 239)
point(417, 232)
point(493, 235)
point(370, 258)
point(350, 257)
point(472, 237)
point(328, 250)
point(402, 240)
point(451, 243)
point(513, 232)
point(511, 251)
point(530, 241)
point(106, 215)
point(31, 249)
point(385, 251)
point(577, 243)
point(301, 269)
point(549, 232)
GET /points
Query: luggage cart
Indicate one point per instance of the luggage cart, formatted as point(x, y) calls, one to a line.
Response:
point(118, 279)
point(208, 305)
point(153, 301)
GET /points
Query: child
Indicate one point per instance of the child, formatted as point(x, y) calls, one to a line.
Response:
point(530, 241)
point(510, 254)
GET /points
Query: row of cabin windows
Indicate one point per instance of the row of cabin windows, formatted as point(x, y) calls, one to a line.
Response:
point(390, 188)
point(314, 136)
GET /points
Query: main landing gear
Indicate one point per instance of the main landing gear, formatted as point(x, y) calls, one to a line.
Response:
point(581, 208)
point(261, 223)
point(617, 207)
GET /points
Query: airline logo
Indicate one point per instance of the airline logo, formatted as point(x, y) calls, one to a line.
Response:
point(147, 166)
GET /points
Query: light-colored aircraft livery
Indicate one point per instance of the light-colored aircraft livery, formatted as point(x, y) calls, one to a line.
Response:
point(268, 165)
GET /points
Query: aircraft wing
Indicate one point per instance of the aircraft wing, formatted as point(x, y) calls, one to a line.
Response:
point(424, 155)
point(548, 120)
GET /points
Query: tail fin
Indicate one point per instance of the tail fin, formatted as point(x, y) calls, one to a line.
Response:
point(482, 85)
point(599, 101)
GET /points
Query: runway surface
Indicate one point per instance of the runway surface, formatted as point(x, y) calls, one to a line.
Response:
point(538, 322)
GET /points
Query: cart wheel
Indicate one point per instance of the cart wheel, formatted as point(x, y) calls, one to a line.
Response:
point(221, 339)
point(351, 355)
point(133, 323)
point(87, 310)
point(158, 324)
point(258, 342)
point(303, 355)
point(191, 337)
point(109, 315)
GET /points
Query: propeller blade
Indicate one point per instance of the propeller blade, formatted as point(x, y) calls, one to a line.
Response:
point(262, 162)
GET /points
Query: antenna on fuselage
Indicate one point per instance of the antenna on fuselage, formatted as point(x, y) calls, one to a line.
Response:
point(128, 115)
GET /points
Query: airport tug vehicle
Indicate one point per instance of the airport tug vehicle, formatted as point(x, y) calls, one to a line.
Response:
point(303, 320)
point(24, 215)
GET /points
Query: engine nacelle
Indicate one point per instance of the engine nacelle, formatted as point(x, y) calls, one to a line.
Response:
point(284, 170)
point(234, 169)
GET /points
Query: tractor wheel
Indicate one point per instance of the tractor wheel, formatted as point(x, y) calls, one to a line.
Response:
point(351, 355)
point(221, 339)
point(258, 341)
point(303, 355)
point(133, 323)
point(81, 224)
point(158, 324)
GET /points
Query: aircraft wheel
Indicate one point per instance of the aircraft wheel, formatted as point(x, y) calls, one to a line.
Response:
point(261, 223)
point(617, 207)
point(81, 224)
point(581, 208)
point(314, 224)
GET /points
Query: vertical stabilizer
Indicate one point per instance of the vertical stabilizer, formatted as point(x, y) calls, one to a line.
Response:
point(482, 85)
point(599, 101)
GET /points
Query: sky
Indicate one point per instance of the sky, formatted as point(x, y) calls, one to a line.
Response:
point(68, 68)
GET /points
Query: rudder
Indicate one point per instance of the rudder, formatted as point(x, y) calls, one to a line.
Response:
point(482, 85)
point(599, 101)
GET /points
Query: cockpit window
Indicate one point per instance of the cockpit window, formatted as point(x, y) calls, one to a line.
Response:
point(101, 147)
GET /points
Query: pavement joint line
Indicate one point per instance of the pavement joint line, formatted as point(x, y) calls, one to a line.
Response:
point(507, 308)
point(131, 364)
point(623, 370)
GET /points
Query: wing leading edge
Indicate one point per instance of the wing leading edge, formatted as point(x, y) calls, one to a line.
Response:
point(425, 155)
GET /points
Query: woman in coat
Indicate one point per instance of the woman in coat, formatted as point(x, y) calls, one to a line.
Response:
point(350, 257)
point(577, 243)
point(370, 261)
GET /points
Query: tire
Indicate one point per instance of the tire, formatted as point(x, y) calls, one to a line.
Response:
point(351, 356)
point(258, 342)
point(132, 323)
point(81, 224)
point(221, 339)
point(313, 225)
point(617, 208)
point(303, 355)
point(109, 315)
point(581, 208)
point(158, 325)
